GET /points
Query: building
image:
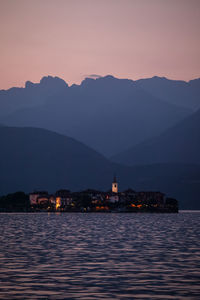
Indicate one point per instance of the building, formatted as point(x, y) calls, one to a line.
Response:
point(91, 200)
point(113, 198)
point(63, 198)
point(42, 200)
point(33, 197)
point(156, 199)
point(115, 185)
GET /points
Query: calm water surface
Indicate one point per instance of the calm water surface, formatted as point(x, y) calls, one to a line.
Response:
point(100, 256)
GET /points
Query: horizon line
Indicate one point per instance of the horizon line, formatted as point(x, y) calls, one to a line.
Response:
point(96, 77)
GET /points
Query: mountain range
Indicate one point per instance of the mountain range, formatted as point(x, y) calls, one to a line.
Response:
point(108, 114)
point(77, 137)
point(180, 143)
point(176, 92)
point(33, 158)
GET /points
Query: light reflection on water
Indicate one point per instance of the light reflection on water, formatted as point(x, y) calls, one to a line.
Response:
point(100, 256)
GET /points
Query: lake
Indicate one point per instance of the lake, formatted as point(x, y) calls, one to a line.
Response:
point(99, 256)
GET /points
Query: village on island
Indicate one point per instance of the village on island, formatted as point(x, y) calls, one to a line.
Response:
point(97, 201)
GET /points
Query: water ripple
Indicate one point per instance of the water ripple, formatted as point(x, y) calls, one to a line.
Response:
point(100, 256)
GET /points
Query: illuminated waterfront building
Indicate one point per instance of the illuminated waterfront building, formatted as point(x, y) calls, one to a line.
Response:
point(115, 185)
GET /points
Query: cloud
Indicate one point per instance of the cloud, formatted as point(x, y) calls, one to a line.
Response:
point(94, 76)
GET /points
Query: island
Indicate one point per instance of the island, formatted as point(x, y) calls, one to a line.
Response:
point(90, 200)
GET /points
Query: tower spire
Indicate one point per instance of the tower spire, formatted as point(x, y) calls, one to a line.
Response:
point(115, 185)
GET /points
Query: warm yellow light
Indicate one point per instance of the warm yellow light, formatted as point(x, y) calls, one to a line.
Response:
point(102, 208)
point(58, 202)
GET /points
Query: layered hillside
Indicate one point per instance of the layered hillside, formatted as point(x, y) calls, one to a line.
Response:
point(179, 144)
point(107, 114)
point(33, 159)
point(178, 92)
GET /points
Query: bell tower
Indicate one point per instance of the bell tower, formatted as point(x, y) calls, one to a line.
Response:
point(115, 185)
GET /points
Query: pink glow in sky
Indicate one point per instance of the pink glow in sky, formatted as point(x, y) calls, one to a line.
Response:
point(74, 38)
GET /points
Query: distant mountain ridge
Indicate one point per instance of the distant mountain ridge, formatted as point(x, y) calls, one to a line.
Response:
point(179, 144)
point(34, 159)
point(178, 92)
point(32, 95)
point(107, 114)
point(156, 119)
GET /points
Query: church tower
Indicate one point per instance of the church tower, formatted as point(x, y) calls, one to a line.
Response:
point(115, 185)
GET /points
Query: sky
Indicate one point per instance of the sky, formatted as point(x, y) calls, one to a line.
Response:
point(73, 39)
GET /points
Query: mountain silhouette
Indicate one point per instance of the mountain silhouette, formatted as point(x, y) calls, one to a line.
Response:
point(37, 158)
point(176, 92)
point(108, 114)
point(33, 158)
point(180, 144)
